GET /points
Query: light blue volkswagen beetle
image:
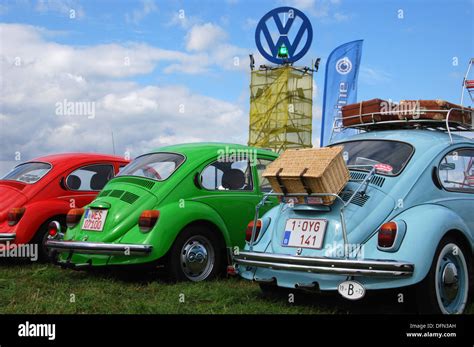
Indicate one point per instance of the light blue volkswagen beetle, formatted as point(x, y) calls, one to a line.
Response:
point(405, 218)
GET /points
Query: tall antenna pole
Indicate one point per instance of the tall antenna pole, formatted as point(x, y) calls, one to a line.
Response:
point(113, 142)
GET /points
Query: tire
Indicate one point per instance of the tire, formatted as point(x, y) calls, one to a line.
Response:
point(445, 290)
point(42, 235)
point(196, 255)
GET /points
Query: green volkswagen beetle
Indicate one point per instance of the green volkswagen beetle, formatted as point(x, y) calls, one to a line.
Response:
point(183, 206)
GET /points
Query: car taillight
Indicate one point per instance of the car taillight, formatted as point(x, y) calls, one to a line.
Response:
point(74, 216)
point(54, 228)
point(14, 215)
point(148, 219)
point(248, 231)
point(387, 234)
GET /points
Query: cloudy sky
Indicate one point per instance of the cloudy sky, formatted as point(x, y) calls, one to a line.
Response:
point(164, 72)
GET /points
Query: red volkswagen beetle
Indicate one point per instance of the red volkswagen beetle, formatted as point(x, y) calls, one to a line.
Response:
point(39, 191)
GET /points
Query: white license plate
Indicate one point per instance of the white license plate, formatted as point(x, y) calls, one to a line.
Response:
point(304, 233)
point(94, 219)
point(351, 290)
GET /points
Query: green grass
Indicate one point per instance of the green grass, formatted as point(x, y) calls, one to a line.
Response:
point(44, 288)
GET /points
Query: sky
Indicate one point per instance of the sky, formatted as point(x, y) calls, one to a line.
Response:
point(156, 72)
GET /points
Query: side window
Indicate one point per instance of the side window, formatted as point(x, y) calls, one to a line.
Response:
point(261, 166)
point(227, 176)
point(456, 171)
point(92, 177)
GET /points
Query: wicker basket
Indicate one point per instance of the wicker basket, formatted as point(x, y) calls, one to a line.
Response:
point(315, 170)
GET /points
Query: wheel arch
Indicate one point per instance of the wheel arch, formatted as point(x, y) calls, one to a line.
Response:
point(462, 238)
point(195, 214)
point(36, 215)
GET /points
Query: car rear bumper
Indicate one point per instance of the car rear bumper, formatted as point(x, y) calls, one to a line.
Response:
point(5, 237)
point(349, 267)
point(99, 248)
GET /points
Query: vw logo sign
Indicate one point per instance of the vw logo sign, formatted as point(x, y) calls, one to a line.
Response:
point(284, 18)
point(344, 66)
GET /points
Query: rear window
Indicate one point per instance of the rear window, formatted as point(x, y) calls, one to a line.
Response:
point(156, 166)
point(389, 157)
point(28, 172)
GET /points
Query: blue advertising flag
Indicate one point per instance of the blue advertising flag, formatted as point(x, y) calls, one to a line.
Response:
point(340, 87)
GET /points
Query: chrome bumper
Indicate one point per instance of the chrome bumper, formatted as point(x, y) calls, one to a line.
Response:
point(98, 248)
point(4, 237)
point(350, 267)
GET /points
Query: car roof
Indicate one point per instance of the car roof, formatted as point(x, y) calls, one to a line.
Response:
point(191, 148)
point(419, 138)
point(77, 158)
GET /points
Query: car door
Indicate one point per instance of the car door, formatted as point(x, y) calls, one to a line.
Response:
point(231, 188)
point(84, 183)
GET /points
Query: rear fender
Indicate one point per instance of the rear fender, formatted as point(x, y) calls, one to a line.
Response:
point(426, 226)
point(171, 222)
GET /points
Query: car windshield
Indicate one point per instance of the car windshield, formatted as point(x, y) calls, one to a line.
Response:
point(28, 172)
point(388, 157)
point(156, 166)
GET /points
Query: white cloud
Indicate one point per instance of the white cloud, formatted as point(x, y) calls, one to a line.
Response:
point(341, 17)
point(250, 24)
point(64, 7)
point(202, 37)
point(182, 19)
point(302, 4)
point(136, 16)
point(141, 116)
point(322, 9)
point(374, 76)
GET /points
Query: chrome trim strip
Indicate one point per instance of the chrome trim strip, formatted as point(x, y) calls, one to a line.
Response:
point(7, 237)
point(98, 248)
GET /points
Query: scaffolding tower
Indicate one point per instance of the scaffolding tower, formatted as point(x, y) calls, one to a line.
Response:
point(281, 108)
point(468, 84)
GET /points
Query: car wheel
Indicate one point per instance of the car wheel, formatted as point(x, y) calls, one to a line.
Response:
point(446, 287)
point(195, 255)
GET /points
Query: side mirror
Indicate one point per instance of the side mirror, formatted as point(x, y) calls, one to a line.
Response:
point(447, 166)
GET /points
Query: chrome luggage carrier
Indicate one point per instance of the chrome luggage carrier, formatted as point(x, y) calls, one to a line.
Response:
point(361, 188)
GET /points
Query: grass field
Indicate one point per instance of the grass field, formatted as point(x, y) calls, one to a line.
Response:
point(44, 288)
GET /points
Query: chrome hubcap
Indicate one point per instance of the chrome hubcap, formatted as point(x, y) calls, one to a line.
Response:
point(197, 258)
point(450, 281)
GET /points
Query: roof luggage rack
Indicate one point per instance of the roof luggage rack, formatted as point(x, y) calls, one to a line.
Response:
point(447, 123)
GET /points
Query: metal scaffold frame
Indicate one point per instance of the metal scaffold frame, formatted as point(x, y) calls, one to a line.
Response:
point(281, 108)
point(468, 84)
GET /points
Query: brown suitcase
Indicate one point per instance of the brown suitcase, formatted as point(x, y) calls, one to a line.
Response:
point(417, 109)
point(376, 109)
